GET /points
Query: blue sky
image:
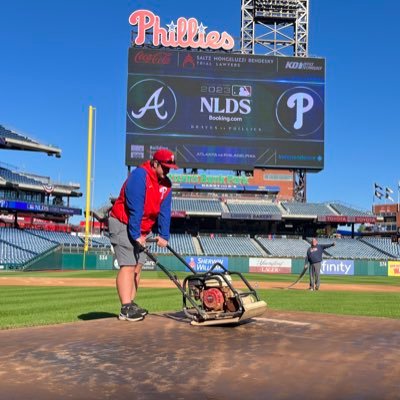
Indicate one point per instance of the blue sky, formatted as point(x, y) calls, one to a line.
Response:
point(59, 57)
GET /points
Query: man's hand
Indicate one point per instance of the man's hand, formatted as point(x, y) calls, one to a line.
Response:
point(161, 242)
point(142, 241)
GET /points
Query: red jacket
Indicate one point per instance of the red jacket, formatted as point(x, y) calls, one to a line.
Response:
point(144, 200)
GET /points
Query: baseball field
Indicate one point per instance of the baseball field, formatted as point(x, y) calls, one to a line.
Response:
point(42, 298)
point(60, 338)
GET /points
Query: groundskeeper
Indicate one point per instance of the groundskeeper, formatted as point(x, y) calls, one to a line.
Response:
point(143, 205)
point(314, 258)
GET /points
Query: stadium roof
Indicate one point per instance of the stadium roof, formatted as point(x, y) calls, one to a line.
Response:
point(12, 140)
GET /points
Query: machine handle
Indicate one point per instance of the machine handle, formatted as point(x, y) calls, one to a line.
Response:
point(178, 256)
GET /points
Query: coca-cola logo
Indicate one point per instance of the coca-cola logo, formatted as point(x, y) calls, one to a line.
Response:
point(146, 57)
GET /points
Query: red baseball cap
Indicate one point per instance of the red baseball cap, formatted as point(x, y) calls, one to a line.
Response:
point(166, 158)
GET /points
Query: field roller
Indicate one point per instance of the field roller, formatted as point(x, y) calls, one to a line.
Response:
point(210, 298)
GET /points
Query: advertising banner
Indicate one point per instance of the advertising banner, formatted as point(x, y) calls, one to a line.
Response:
point(38, 207)
point(270, 265)
point(266, 217)
point(148, 265)
point(343, 219)
point(203, 264)
point(394, 268)
point(225, 111)
point(337, 267)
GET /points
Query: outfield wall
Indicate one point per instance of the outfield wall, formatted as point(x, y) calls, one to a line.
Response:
point(93, 260)
point(73, 261)
point(243, 264)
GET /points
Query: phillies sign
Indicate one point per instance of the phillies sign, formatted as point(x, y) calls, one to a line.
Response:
point(185, 33)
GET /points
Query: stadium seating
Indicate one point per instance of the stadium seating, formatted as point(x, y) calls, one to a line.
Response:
point(10, 254)
point(281, 247)
point(197, 206)
point(25, 240)
point(230, 246)
point(15, 177)
point(181, 243)
point(349, 211)
point(352, 249)
point(100, 241)
point(7, 133)
point(58, 237)
point(20, 246)
point(252, 207)
point(384, 244)
point(295, 208)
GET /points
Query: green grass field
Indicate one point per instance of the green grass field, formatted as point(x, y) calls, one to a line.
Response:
point(38, 305)
point(355, 280)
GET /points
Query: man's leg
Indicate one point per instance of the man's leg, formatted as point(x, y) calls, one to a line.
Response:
point(135, 288)
point(312, 272)
point(317, 269)
point(125, 283)
point(136, 280)
point(124, 252)
point(141, 259)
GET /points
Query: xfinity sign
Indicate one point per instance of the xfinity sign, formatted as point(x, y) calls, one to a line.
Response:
point(337, 267)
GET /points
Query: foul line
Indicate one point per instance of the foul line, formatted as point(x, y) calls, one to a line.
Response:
point(282, 321)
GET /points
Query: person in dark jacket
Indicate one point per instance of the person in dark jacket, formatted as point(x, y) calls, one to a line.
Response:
point(143, 205)
point(314, 258)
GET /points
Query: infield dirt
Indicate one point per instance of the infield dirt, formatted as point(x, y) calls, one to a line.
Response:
point(281, 355)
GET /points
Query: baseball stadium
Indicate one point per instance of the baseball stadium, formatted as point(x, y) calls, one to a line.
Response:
point(230, 313)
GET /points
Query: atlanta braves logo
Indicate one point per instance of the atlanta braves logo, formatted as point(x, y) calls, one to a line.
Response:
point(151, 104)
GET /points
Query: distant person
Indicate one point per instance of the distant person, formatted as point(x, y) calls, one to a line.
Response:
point(144, 203)
point(314, 258)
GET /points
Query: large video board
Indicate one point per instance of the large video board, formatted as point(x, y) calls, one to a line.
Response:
point(225, 110)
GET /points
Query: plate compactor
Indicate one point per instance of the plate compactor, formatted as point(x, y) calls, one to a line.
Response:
point(210, 298)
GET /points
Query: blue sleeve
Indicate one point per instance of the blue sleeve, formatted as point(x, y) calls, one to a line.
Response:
point(164, 218)
point(135, 193)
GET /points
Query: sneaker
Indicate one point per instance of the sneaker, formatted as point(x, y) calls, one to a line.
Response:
point(311, 289)
point(141, 310)
point(316, 288)
point(130, 313)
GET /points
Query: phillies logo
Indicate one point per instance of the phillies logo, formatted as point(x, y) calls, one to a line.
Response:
point(300, 111)
point(185, 33)
point(151, 104)
point(163, 190)
point(162, 58)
